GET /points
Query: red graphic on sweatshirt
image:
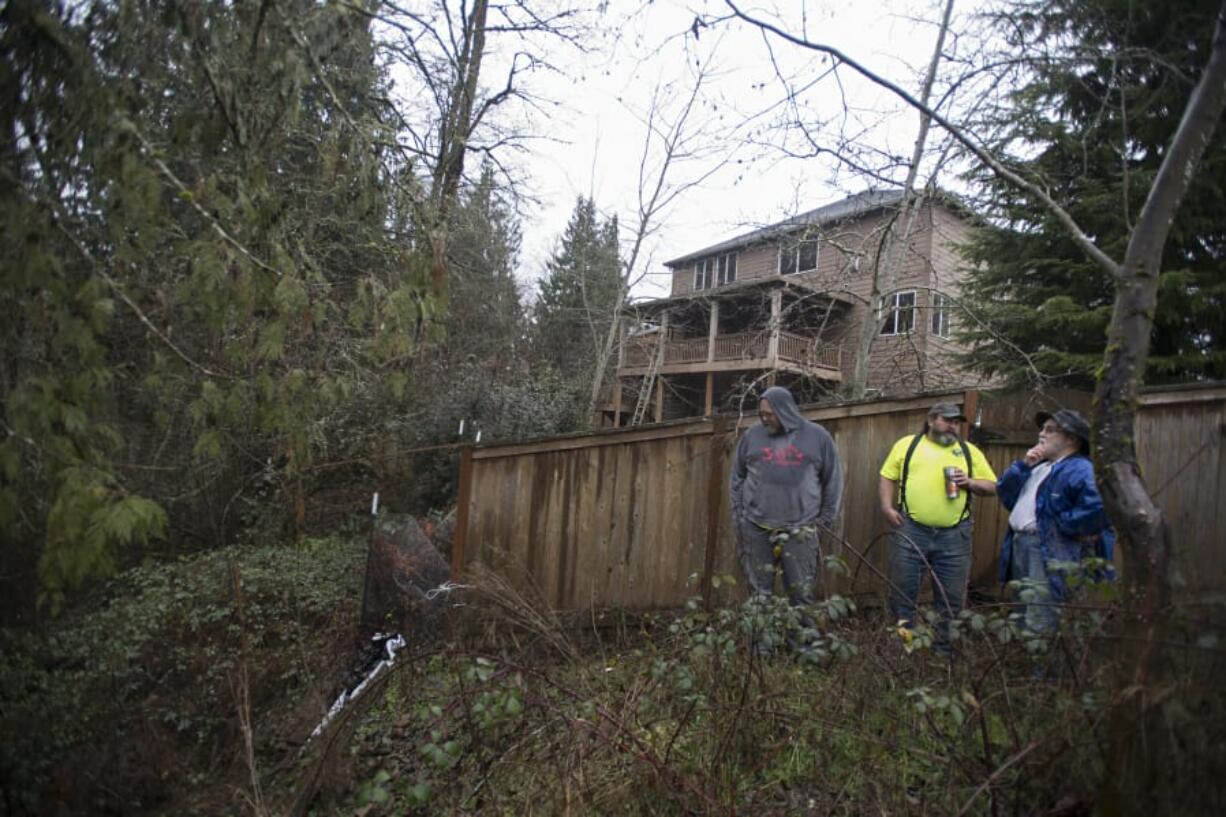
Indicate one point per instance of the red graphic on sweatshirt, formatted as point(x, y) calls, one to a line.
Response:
point(789, 457)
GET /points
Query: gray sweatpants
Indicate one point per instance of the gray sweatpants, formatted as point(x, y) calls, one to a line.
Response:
point(797, 562)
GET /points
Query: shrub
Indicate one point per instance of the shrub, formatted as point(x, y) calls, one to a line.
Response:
point(139, 684)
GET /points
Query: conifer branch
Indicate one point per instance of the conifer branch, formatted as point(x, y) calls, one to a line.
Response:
point(187, 196)
point(60, 220)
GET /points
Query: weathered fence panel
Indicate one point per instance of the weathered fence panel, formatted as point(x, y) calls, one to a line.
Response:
point(598, 519)
point(1179, 448)
point(638, 518)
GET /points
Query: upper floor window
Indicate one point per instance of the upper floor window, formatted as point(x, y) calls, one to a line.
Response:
point(716, 270)
point(798, 257)
point(702, 274)
point(898, 313)
point(941, 307)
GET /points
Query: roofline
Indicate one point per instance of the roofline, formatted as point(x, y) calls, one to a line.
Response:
point(856, 206)
point(732, 290)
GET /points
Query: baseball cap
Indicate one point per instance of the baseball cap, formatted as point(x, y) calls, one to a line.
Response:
point(949, 411)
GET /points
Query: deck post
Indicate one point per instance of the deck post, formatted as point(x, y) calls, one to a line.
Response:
point(712, 331)
point(772, 349)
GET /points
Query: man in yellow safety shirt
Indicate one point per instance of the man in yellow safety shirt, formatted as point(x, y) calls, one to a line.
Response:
point(933, 473)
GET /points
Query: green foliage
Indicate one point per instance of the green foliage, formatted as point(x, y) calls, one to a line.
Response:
point(153, 662)
point(487, 323)
point(207, 269)
point(1092, 120)
point(578, 293)
point(502, 405)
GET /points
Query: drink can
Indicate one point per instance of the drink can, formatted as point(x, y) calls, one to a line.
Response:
point(951, 487)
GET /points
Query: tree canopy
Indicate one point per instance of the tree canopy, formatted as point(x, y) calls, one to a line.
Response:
point(212, 267)
point(1092, 121)
point(228, 253)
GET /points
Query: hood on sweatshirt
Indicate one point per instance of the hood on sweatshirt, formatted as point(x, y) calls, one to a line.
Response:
point(784, 406)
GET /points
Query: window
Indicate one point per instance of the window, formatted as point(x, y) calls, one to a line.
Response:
point(798, 257)
point(940, 315)
point(716, 270)
point(899, 314)
point(702, 274)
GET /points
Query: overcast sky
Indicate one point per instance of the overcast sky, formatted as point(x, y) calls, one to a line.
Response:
point(597, 130)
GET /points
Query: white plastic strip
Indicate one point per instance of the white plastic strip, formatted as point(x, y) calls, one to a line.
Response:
point(390, 648)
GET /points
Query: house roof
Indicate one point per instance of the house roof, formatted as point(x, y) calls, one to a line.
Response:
point(731, 290)
point(857, 205)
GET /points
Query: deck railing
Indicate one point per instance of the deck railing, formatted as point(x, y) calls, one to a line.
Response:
point(686, 350)
point(808, 351)
point(742, 346)
point(738, 346)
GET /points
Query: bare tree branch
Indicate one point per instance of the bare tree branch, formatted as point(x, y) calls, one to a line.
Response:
point(998, 167)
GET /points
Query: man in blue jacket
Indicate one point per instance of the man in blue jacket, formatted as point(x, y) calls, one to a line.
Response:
point(786, 484)
point(1056, 515)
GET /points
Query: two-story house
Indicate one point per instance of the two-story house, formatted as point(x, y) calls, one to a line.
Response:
point(786, 304)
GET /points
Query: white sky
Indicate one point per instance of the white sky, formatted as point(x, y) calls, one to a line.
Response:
point(599, 132)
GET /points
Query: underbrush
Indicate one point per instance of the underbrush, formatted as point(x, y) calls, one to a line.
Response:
point(674, 714)
point(191, 688)
point(135, 702)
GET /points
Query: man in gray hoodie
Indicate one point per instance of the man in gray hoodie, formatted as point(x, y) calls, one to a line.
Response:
point(786, 486)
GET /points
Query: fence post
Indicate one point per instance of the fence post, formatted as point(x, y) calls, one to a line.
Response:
point(715, 506)
point(463, 499)
point(970, 406)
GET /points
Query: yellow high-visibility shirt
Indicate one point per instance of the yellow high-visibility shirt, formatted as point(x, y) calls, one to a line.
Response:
point(926, 499)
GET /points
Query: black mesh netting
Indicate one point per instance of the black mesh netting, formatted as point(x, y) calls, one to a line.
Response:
point(405, 590)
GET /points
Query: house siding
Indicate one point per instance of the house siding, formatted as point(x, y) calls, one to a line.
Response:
point(847, 253)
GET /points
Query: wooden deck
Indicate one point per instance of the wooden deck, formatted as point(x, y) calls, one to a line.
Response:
point(745, 350)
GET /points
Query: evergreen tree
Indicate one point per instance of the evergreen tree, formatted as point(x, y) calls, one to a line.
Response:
point(1093, 120)
point(211, 270)
point(578, 294)
point(483, 256)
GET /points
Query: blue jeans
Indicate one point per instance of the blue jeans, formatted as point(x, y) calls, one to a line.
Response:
point(945, 554)
point(1039, 612)
point(797, 564)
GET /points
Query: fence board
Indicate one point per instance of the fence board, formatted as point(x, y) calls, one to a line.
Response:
point(620, 518)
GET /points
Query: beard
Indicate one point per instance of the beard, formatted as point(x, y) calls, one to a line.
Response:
point(944, 437)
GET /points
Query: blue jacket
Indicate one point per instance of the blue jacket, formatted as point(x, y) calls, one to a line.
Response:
point(1069, 512)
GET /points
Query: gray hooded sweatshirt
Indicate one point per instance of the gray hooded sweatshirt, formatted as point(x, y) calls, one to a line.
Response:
point(787, 479)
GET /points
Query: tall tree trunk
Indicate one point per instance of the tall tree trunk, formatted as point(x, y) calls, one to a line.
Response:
point(887, 263)
point(454, 131)
point(1133, 781)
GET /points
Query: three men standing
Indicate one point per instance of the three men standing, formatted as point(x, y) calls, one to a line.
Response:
point(786, 485)
point(934, 474)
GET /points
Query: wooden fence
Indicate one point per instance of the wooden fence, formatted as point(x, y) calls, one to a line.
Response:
point(638, 518)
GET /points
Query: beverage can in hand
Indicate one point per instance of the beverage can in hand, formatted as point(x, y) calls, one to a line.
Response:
point(951, 487)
